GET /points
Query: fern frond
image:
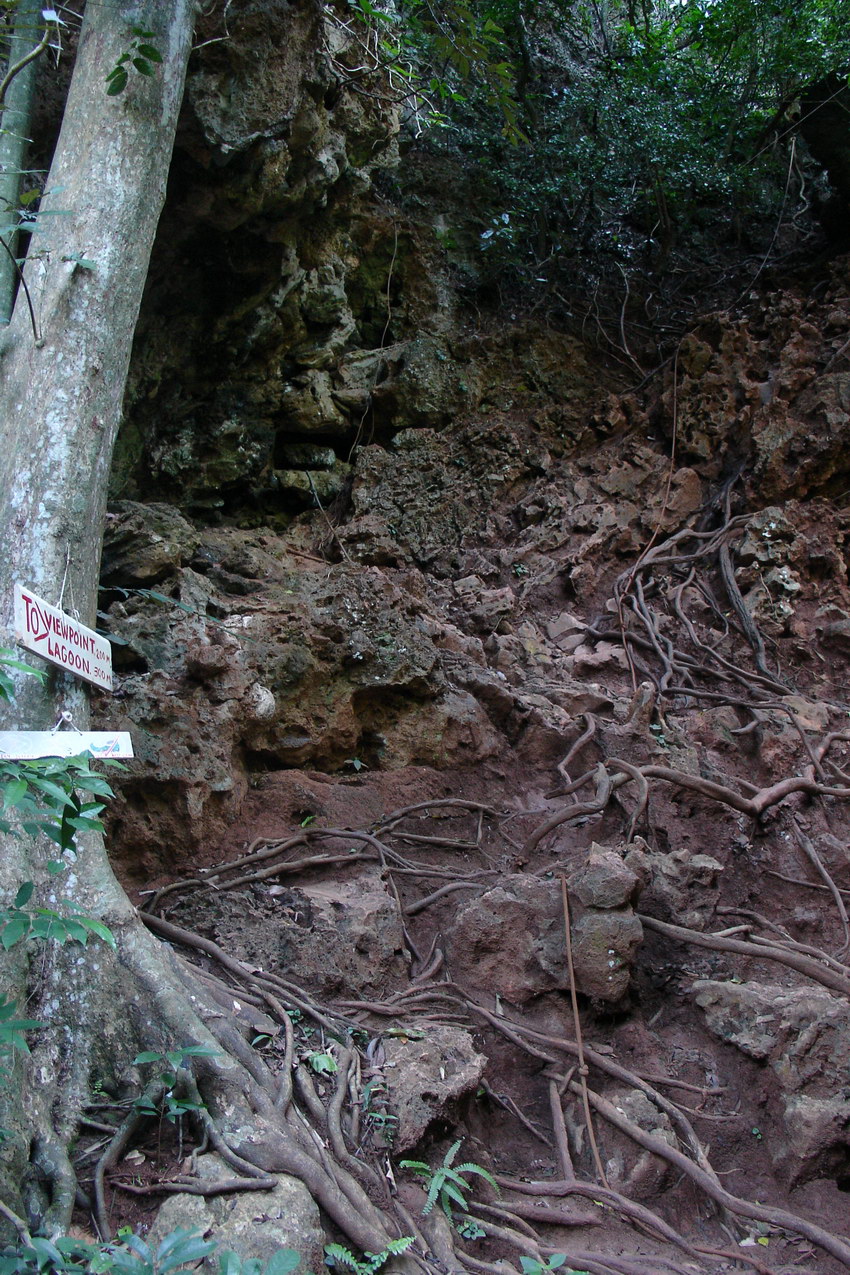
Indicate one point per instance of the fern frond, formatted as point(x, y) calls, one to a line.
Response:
point(433, 1191)
point(450, 1192)
point(400, 1245)
point(482, 1173)
point(343, 1256)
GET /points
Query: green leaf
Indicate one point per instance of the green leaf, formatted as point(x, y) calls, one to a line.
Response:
point(88, 781)
point(448, 1191)
point(137, 1245)
point(64, 842)
point(7, 1008)
point(7, 659)
point(85, 825)
point(482, 1173)
point(14, 792)
point(282, 1262)
point(99, 929)
point(116, 82)
point(25, 893)
point(48, 1254)
point(49, 789)
point(400, 1245)
point(151, 52)
point(13, 931)
point(189, 1249)
point(142, 66)
point(84, 263)
point(145, 1107)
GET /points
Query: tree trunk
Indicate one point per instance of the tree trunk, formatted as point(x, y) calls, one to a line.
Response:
point(61, 406)
point(62, 395)
point(28, 36)
point(62, 392)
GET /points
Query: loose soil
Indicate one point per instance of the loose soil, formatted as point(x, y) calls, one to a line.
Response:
point(540, 660)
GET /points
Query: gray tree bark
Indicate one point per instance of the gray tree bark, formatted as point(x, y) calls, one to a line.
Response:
point(27, 38)
point(60, 406)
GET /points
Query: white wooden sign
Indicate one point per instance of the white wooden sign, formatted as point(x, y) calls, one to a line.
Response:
point(61, 639)
point(27, 745)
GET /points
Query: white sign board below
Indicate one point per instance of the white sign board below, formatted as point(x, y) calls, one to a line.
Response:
point(61, 639)
point(27, 745)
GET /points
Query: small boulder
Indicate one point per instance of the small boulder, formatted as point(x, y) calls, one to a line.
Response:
point(251, 1223)
point(145, 543)
point(605, 881)
point(426, 1077)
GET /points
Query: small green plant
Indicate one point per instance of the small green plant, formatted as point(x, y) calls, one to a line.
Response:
point(469, 1229)
point(531, 1266)
point(323, 1063)
point(280, 1263)
point(18, 923)
point(355, 763)
point(128, 1254)
point(338, 1255)
point(377, 1120)
point(45, 793)
point(173, 1107)
point(383, 1123)
point(44, 796)
point(447, 1183)
point(140, 54)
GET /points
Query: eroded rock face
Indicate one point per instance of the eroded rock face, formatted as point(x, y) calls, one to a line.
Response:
point(681, 886)
point(256, 665)
point(267, 237)
point(341, 936)
point(605, 931)
point(510, 940)
point(329, 315)
point(803, 1035)
point(770, 380)
point(426, 1076)
point(145, 543)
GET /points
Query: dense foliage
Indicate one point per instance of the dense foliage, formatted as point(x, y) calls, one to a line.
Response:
point(621, 135)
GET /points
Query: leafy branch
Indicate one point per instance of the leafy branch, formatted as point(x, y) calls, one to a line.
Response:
point(51, 21)
point(141, 55)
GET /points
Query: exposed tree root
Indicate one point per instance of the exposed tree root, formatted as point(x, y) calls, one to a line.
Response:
point(825, 1240)
point(819, 972)
point(323, 1146)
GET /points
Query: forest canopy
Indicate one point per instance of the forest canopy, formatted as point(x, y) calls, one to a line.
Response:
point(625, 134)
